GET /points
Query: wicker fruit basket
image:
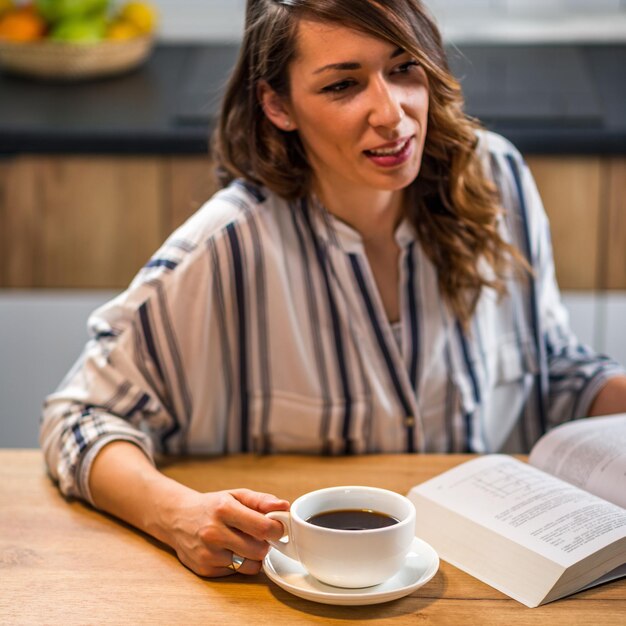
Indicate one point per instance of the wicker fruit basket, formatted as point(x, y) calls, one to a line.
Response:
point(56, 60)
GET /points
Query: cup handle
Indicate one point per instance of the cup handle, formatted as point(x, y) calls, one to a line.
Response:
point(285, 543)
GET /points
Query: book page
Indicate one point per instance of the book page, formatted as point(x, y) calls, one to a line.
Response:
point(528, 506)
point(589, 453)
point(618, 572)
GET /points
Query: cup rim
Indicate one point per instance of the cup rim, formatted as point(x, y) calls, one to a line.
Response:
point(392, 528)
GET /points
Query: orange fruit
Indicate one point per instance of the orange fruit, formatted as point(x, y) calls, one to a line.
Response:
point(120, 30)
point(5, 6)
point(142, 14)
point(22, 25)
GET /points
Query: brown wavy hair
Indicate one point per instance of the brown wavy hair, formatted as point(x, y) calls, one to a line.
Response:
point(454, 206)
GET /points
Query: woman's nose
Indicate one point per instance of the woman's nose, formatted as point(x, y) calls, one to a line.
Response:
point(385, 106)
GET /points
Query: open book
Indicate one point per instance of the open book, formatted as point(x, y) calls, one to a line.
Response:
point(536, 531)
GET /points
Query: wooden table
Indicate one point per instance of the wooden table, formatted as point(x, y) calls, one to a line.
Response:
point(64, 563)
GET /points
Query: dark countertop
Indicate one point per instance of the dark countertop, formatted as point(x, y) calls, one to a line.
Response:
point(548, 99)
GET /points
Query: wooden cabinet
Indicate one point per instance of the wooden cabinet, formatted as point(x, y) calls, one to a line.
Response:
point(190, 182)
point(92, 222)
point(585, 199)
point(614, 227)
point(19, 228)
point(571, 190)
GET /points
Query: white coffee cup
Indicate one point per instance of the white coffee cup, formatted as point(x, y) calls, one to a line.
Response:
point(348, 558)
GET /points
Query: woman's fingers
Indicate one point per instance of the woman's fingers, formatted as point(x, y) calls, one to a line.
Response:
point(258, 501)
point(217, 564)
point(248, 568)
point(246, 546)
point(247, 514)
point(211, 527)
point(229, 514)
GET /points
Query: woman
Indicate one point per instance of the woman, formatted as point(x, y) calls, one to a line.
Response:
point(361, 284)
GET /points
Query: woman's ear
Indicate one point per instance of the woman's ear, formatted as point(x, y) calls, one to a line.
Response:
point(274, 107)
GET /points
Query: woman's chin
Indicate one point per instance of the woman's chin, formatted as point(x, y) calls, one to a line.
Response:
point(392, 181)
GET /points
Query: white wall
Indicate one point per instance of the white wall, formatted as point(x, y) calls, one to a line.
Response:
point(531, 21)
point(42, 333)
point(214, 20)
point(525, 7)
point(460, 20)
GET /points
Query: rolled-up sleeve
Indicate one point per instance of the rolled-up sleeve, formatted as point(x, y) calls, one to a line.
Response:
point(97, 403)
point(131, 382)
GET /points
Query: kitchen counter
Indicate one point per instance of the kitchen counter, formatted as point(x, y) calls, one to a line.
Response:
point(547, 99)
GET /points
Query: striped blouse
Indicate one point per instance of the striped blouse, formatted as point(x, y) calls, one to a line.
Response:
point(258, 327)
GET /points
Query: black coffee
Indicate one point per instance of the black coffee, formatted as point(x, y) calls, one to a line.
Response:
point(352, 519)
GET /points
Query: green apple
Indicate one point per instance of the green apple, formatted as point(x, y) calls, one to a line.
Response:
point(80, 30)
point(56, 10)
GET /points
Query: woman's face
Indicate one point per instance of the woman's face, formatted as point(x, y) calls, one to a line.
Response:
point(360, 106)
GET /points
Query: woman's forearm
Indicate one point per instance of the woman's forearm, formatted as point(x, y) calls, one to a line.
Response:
point(204, 529)
point(124, 483)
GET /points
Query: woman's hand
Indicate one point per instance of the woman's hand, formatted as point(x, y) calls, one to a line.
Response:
point(206, 529)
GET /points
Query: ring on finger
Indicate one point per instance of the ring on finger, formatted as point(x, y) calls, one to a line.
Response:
point(236, 562)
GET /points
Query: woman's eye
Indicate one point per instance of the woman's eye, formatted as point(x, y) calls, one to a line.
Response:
point(406, 67)
point(338, 86)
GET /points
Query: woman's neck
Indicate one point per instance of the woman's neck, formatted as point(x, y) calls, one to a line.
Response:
point(375, 215)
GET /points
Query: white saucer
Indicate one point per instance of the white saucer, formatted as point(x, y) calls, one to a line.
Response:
point(421, 564)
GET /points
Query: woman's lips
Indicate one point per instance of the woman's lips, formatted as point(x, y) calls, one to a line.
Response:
point(392, 155)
